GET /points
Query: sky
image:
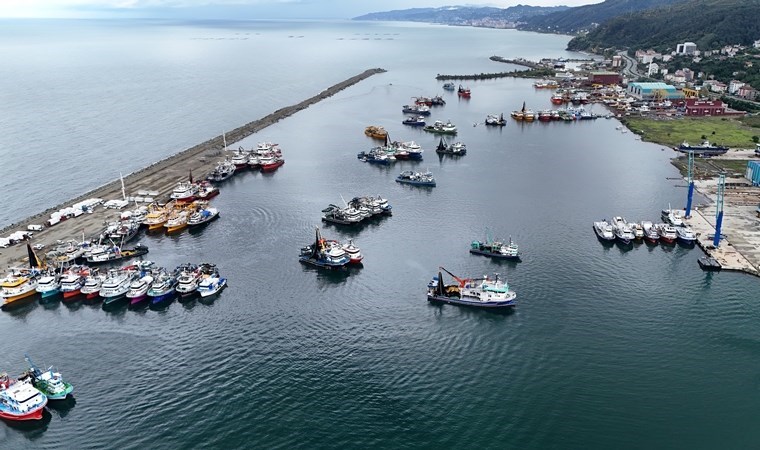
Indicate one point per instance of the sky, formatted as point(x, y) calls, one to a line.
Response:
point(243, 9)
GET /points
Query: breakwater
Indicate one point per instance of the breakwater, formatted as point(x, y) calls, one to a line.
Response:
point(162, 175)
point(533, 70)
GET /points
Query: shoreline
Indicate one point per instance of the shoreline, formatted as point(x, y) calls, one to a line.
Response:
point(163, 174)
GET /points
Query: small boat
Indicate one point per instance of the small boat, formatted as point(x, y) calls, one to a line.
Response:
point(622, 230)
point(49, 383)
point(92, 284)
point(496, 249)
point(138, 289)
point(494, 120)
point(323, 255)
point(188, 278)
point(672, 216)
point(476, 292)
point(417, 110)
point(651, 235)
point(456, 149)
point(271, 165)
point(48, 285)
point(545, 115)
point(705, 149)
point(109, 254)
point(463, 92)
point(667, 232)
point(439, 127)
point(202, 217)
point(163, 287)
point(354, 253)
point(376, 132)
point(240, 159)
point(422, 101)
point(604, 231)
point(222, 171)
point(157, 216)
point(709, 263)
point(418, 121)
point(638, 230)
point(437, 101)
point(211, 283)
point(206, 191)
point(529, 116)
point(72, 281)
point(116, 285)
point(177, 221)
point(558, 99)
point(685, 235)
point(20, 400)
point(448, 86)
point(412, 149)
point(416, 178)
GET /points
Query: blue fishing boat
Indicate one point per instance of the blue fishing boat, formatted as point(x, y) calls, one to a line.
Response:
point(163, 287)
point(323, 255)
point(416, 178)
point(418, 121)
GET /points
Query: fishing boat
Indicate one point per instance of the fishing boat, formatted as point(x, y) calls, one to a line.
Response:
point(323, 255)
point(122, 231)
point(116, 285)
point(211, 283)
point(604, 231)
point(412, 149)
point(188, 278)
point(270, 165)
point(667, 232)
point(177, 221)
point(529, 116)
point(545, 115)
point(439, 127)
point(222, 171)
point(638, 231)
point(494, 120)
point(354, 253)
point(202, 217)
point(417, 110)
point(162, 288)
point(376, 156)
point(476, 292)
point(72, 281)
point(49, 383)
point(116, 253)
point(672, 216)
point(20, 400)
point(496, 249)
point(375, 132)
point(416, 178)
point(418, 121)
point(622, 230)
point(705, 149)
point(685, 235)
point(519, 115)
point(463, 92)
point(557, 99)
point(92, 284)
point(138, 289)
point(21, 283)
point(448, 86)
point(157, 216)
point(48, 285)
point(437, 101)
point(341, 216)
point(206, 191)
point(651, 235)
point(184, 192)
point(456, 149)
point(240, 159)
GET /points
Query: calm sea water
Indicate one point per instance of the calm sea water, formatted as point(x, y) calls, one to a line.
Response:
point(608, 348)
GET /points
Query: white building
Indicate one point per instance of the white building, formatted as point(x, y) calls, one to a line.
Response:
point(687, 48)
point(653, 69)
point(734, 86)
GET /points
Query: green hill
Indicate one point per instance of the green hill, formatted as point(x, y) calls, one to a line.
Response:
point(708, 23)
point(585, 17)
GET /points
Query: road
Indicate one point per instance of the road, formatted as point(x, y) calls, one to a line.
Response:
point(630, 67)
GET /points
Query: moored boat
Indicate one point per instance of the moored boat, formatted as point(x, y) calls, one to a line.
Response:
point(494, 120)
point(48, 285)
point(222, 171)
point(20, 400)
point(202, 217)
point(115, 253)
point(206, 190)
point(138, 289)
point(455, 149)
point(323, 255)
point(177, 221)
point(49, 383)
point(376, 132)
point(72, 281)
point(464, 92)
point(163, 287)
point(604, 231)
point(211, 283)
point(667, 232)
point(651, 235)
point(439, 127)
point(417, 110)
point(414, 121)
point(685, 235)
point(476, 292)
point(622, 230)
point(271, 165)
point(496, 249)
point(116, 285)
point(188, 277)
point(21, 283)
point(704, 149)
point(709, 263)
point(92, 284)
point(416, 178)
point(184, 192)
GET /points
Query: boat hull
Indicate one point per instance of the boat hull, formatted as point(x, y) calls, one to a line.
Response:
point(50, 293)
point(495, 255)
point(161, 297)
point(35, 414)
point(73, 293)
point(505, 304)
point(203, 223)
point(15, 298)
point(319, 264)
point(114, 298)
point(416, 183)
point(272, 167)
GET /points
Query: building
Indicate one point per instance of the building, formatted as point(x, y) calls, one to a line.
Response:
point(646, 57)
point(604, 78)
point(734, 86)
point(654, 68)
point(756, 44)
point(747, 92)
point(652, 91)
point(687, 48)
point(696, 107)
point(716, 86)
point(617, 61)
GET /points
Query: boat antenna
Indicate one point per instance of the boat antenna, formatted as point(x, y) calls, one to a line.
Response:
point(344, 200)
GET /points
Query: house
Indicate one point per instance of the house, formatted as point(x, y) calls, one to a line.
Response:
point(747, 92)
point(687, 48)
point(756, 44)
point(653, 69)
point(646, 57)
point(716, 86)
point(734, 86)
point(617, 61)
point(679, 76)
point(667, 58)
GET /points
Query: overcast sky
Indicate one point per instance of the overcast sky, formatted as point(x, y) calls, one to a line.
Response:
point(243, 9)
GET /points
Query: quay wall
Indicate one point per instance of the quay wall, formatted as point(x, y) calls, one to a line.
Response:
point(113, 188)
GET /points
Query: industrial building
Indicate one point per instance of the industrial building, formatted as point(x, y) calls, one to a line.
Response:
point(654, 91)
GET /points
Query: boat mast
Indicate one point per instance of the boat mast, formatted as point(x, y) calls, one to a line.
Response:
point(123, 190)
point(224, 139)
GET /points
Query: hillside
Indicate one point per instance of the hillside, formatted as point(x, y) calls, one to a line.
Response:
point(709, 23)
point(585, 17)
point(462, 15)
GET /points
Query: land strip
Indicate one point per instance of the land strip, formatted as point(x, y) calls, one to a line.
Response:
point(160, 176)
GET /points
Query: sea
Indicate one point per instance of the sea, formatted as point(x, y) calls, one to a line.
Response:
point(608, 347)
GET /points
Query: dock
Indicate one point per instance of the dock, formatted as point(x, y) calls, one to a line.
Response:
point(160, 176)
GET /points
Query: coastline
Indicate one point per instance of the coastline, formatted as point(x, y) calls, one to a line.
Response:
point(160, 176)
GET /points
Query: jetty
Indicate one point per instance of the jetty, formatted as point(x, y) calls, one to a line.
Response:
point(160, 176)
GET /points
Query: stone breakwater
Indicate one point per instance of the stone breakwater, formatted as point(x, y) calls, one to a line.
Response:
point(160, 176)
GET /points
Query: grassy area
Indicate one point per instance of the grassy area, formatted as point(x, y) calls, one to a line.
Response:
point(751, 121)
point(673, 132)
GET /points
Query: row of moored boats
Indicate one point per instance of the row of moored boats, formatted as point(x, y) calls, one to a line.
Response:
point(673, 229)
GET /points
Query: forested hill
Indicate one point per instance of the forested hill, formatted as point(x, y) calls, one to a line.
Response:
point(460, 15)
point(710, 24)
point(586, 17)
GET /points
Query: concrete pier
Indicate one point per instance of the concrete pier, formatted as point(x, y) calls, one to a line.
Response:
point(161, 176)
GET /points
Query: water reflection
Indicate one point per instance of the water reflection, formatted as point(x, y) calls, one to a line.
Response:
point(62, 407)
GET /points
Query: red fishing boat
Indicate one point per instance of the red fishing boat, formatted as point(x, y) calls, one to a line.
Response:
point(463, 92)
point(19, 400)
